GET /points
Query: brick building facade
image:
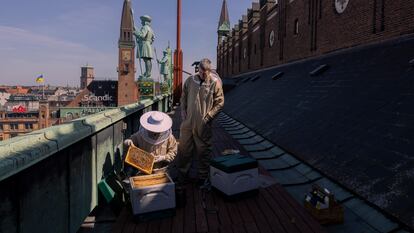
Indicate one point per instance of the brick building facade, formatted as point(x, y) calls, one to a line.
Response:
point(23, 114)
point(276, 32)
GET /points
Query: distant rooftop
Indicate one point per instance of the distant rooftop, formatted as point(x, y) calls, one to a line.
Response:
point(20, 97)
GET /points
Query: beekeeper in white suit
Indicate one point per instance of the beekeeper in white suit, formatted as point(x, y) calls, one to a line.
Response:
point(155, 136)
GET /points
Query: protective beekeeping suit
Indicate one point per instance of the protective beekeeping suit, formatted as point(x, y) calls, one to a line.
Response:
point(201, 100)
point(155, 136)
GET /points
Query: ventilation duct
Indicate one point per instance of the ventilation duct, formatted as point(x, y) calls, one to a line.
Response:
point(321, 69)
point(255, 78)
point(246, 79)
point(412, 62)
point(278, 75)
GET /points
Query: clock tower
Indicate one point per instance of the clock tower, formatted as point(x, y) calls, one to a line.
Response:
point(127, 87)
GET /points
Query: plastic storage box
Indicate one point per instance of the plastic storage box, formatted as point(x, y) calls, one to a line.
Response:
point(152, 193)
point(234, 174)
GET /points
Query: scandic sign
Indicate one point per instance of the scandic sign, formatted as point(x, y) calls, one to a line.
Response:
point(94, 98)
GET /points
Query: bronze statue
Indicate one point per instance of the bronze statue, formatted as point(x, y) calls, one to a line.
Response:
point(145, 37)
point(165, 66)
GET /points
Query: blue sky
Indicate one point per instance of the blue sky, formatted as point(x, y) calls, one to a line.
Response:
point(57, 37)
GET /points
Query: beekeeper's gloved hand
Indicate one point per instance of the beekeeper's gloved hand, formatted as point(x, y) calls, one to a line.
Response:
point(160, 158)
point(128, 142)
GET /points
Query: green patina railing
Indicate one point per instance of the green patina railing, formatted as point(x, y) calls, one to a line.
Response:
point(73, 113)
point(48, 178)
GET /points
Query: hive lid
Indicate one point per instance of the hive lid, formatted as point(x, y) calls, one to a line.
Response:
point(140, 159)
point(234, 163)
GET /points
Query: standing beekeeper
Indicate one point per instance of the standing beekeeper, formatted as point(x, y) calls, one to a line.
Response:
point(155, 136)
point(201, 100)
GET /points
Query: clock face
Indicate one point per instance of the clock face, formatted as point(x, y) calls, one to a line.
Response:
point(126, 55)
point(271, 38)
point(340, 5)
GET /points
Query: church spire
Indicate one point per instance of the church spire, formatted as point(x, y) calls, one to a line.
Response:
point(224, 23)
point(127, 25)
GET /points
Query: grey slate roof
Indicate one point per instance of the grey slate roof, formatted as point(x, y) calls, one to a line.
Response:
point(298, 177)
point(354, 122)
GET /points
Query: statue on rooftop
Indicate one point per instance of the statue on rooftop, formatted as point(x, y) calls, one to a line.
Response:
point(165, 66)
point(145, 37)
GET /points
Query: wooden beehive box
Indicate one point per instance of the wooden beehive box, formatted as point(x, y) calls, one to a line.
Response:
point(334, 214)
point(140, 159)
point(152, 193)
point(234, 174)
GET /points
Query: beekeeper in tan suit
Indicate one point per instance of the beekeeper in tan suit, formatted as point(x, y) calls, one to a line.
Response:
point(155, 136)
point(201, 100)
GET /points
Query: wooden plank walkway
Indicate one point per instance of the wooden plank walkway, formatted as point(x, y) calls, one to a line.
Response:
point(272, 210)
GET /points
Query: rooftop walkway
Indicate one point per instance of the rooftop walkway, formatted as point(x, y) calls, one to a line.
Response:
point(272, 210)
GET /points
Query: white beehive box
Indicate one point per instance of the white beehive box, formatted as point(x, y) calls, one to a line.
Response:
point(152, 193)
point(234, 174)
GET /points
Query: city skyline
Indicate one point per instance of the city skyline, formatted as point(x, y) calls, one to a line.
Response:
point(56, 42)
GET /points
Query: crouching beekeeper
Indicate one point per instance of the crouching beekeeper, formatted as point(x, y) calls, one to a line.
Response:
point(155, 136)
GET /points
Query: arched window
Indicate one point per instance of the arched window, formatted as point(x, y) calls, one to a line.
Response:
point(296, 27)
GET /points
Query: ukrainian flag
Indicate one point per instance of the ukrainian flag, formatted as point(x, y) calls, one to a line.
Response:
point(40, 79)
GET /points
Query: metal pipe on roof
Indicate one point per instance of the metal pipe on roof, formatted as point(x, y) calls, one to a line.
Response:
point(178, 60)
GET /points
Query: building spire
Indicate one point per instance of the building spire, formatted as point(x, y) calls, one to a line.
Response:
point(224, 23)
point(128, 91)
point(127, 24)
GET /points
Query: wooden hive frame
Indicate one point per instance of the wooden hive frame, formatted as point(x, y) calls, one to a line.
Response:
point(140, 159)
